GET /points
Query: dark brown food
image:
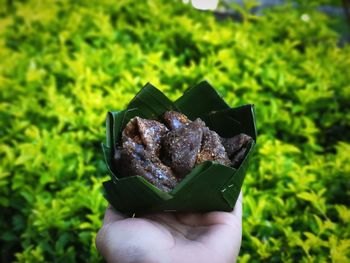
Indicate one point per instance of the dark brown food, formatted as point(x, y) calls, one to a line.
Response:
point(136, 160)
point(181, 147)
point(212, 148)
point(175, 120)
point(165, 154)
point(145, 132)
point(236, 147)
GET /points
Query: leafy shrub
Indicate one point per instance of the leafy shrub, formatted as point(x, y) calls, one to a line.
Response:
point(65, 63)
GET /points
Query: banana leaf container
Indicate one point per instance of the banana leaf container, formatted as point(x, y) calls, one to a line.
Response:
point(209, 186)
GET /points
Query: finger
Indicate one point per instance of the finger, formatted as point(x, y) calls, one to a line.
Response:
point(192, 219)
point(213, 218)
point(238, 210)
point(161, 217)
point(205, 219)
point(112, 215)
point(229, 230)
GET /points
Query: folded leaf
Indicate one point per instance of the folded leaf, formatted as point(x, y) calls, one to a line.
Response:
point(209, 186)
point(232, 188)
point(134, 194)
point(230, 122)
point(200, 100)
point(152, 102)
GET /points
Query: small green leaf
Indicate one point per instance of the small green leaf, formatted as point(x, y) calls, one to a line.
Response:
point(200, 100)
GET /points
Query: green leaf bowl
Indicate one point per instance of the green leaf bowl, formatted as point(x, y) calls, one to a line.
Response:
point(209, 186)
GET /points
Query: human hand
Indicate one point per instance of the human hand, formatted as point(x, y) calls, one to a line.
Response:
point(171, 237)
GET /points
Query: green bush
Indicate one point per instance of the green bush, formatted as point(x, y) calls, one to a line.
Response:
point(65, 63)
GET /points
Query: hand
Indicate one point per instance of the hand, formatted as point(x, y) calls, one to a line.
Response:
point(171, 237)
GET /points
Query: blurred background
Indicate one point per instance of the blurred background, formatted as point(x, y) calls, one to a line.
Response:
point(64, 64)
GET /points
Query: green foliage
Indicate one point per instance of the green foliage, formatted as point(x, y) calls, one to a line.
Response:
point(64, 64)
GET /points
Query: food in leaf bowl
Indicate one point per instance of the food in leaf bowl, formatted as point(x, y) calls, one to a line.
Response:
point(187, 155)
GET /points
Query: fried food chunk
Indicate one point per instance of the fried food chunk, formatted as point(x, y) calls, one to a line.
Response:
point(181, 147)
point(236, 147)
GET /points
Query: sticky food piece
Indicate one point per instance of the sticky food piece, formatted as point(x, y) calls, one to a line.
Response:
point(175, 120)
point(136, 160)
point(212, 148)
point(145, 132)
point(236, 147)
point(181, 147)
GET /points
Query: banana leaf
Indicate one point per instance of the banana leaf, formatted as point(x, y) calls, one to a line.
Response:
point(209, 186)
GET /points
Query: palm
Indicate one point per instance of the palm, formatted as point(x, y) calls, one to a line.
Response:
point(171, 237)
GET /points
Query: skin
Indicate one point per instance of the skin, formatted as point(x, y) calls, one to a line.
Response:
point(171, 237)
